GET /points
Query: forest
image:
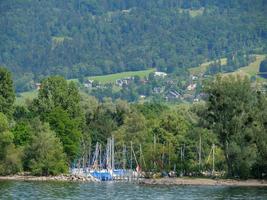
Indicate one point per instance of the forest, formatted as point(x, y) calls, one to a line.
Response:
point(57, 129)
point(76, 38)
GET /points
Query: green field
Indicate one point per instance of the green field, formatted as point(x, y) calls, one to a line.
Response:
point(252, 69)
point(204, 66)
point(111, 78)
point(193, 12)
point(22, 98)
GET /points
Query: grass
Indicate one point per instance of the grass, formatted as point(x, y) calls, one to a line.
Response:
point(111, 78)
point(252, 69)
point(204, 66)
point(24, 96)
point(193, 12)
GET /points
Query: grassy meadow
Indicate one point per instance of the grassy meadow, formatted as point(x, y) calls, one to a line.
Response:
point(111, 78)
point(22, 98)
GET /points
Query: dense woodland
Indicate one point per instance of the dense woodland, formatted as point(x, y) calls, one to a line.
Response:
point(75, 38)
point(55, 130)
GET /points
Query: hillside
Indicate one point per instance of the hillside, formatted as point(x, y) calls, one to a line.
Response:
point(77, 38)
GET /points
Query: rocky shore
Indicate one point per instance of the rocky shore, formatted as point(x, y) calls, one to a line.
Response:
point(68, 178)
point(204, 181)
point(159, 181)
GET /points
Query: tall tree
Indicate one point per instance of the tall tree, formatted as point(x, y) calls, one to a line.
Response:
point(230, 114)
point(7, 95)
point(10, 156)
point(58, 103)
point(45, 153)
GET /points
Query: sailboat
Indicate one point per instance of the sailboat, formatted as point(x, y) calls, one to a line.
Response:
point(104, 169)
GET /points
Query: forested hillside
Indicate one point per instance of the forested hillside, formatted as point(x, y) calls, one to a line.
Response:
point(76, 38)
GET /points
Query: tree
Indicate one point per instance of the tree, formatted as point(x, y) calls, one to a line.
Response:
point(263, 66)
point(7, 95)
point(22, 133)
point(57, 92)
point(10, 156)
point(58, 103)
point(67, 130)
point(230, 114)
point(45, 153)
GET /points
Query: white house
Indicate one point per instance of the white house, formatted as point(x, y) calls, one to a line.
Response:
point(160, 74)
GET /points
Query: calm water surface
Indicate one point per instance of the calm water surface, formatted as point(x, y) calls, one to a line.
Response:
point(54, 190)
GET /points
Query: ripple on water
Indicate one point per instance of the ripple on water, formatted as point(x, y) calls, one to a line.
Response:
point(122, 191)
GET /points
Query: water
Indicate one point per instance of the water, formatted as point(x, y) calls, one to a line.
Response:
point(116, 191)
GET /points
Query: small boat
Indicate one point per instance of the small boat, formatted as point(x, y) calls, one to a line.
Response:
point(102, 175)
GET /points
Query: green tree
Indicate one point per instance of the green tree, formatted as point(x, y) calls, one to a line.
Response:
point(22, 133)
point(7, 95)
point(57, 92)
point(45, 153)
point(67, 130)
point(10, 156)
point(59, 103)
point(229, 113)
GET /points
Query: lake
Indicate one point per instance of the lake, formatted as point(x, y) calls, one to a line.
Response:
point(65, 190)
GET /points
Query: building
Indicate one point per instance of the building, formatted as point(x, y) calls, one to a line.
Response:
point(38, 86)
point(173, 95)
point(191, 87)
point(160, 74)
point(88, 83)
point(158, 90)
point(124, 81)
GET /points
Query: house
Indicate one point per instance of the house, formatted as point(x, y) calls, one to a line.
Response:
point(142, 96)
point(124, 81)
point(160, 74)
point(191, 87)
point(88, 83)
point(158, 90)
point(195, 100)
point(193, 77)
point(173, 95)
point(38, 86)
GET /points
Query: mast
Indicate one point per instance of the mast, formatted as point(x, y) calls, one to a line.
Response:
point(131, 155)
point(89, 155)
point(108, 154)
point(100, 158)
point(154, 150)
point(112, 145)
point(140, 158)
point(181, 159)
point(199, 153)
point(124, 156)
point(213, 158)
point(169, 152)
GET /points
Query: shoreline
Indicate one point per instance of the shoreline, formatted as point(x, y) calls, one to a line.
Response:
point(185, 181)
point(63, 178)
point(204, 182)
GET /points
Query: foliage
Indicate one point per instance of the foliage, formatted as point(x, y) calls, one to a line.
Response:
point(230, 113)
point(263, 66)
point(45, 153)
point(58, 103)
point(62, 126)
point(10, 156)
point(7, 95)
point(67, 130)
